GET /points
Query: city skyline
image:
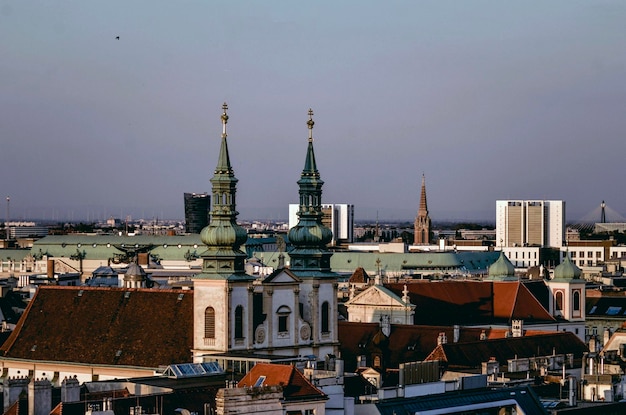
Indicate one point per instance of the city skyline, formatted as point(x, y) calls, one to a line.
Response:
point(113, 109)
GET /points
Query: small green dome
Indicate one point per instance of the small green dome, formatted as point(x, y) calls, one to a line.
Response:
point(502, 268)
point(567, 270)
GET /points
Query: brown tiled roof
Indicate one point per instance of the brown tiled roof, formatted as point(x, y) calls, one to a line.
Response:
point(472, 354)
point(406, 343)
point(447, 303)
point(105, 326)
point(359, 276)
point(295, 385)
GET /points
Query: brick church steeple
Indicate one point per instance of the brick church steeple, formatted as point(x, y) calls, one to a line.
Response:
point(422, 221)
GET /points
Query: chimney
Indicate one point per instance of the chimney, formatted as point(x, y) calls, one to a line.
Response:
point(442, 339)
point(13, 388)
point(572, 391)
point(50, 268)
point(39, 397)
point(457, 333)
point(607, 335)
point(142, 258)
point(70, 390)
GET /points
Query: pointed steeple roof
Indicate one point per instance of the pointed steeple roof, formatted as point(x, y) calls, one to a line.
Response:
point(423, 205)
point(310, 237)
point(223, 236)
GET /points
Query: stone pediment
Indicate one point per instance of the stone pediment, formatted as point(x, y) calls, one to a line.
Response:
point(282, 276)
point(377, 296)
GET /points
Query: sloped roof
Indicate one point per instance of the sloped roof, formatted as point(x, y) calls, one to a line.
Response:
point(295, 385)
point(462, 401)
point(452, 302)
point(472, 354)
point(608, 306)
point(105, 326)
point(406, 343)
point(359, 276)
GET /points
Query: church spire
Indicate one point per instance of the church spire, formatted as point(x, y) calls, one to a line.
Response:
point(223, 236)
point(422, 221)
point(310, 237)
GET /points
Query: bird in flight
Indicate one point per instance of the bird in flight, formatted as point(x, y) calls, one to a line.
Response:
point(117, 37)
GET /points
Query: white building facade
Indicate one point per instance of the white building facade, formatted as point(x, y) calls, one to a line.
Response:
point(530, 223)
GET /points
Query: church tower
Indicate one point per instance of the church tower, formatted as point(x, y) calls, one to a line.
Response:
point(222, 298)
point(422, 221)
point(310, 258)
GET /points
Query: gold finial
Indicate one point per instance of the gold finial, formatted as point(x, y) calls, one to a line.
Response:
point(310, 123)
point(224, 119)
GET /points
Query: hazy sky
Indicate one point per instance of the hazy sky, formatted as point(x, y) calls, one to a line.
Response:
point(488, 99)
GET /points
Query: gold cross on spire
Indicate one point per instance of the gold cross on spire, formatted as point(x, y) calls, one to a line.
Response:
point(310, 123)
point(224, 119)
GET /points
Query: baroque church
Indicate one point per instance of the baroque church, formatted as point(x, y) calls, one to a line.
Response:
point(230, 317)
point(293, 311)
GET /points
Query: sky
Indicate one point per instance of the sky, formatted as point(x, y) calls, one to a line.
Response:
point(488, 100)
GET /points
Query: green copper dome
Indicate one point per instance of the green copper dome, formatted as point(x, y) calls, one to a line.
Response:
point(567, 270)
point(502, 268)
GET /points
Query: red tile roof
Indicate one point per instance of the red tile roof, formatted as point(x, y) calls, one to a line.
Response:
point(359, 276)
point(105, 326)
point(295, 385)
point(472, 302)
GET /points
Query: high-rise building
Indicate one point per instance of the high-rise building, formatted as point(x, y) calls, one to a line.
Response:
point(196, 211)
point(339, 218)
point(422, 221)
point(530, 223)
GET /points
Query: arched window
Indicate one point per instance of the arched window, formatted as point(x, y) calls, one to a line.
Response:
point(283, 319)
point(559, 300)
point(239, 322)
point(209, 323)
point(325, 320)
point(576, 301)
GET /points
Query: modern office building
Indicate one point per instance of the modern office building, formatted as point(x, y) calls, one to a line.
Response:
point(196, 211)
point(522, 223)
point(337, 217)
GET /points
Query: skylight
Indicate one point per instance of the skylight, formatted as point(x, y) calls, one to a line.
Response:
point(186, 370)
point(259, 381)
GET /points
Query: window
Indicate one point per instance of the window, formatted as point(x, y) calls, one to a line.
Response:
point(239, 322)
point(559, 300)
point(590, 254)
point(581, 254)
point(209, 323)
point(576, 305)
point(283, 319)
point(573, 254)
point(598, 254)
point(325, 319)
